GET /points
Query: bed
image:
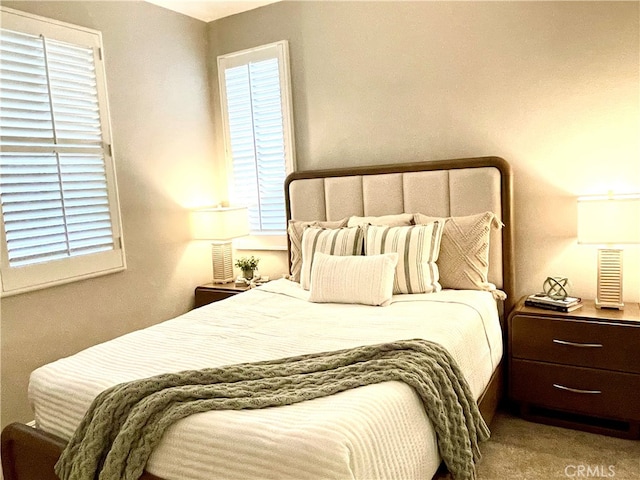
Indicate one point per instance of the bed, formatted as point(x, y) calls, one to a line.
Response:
point(375, 431)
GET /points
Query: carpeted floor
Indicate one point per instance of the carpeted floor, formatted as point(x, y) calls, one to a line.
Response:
point(520, 450)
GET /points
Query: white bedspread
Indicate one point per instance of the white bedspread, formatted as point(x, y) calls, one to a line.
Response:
point(377, 431)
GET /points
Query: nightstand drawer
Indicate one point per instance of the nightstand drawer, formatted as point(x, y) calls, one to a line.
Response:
point(576, 389)
point(575, 342)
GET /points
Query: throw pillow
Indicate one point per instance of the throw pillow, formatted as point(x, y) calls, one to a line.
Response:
point(342, 241)
point(398, 220)
point(295, 229)
point(366, 280)
point(464, 252)
point(417, 248)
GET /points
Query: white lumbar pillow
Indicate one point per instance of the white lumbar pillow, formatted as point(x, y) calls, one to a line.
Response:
point(366, 280)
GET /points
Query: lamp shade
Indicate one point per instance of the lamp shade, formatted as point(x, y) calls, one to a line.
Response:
point(219, 223)
point(612, 220)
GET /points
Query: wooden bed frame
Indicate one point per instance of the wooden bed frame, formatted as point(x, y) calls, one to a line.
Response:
point(29, 453)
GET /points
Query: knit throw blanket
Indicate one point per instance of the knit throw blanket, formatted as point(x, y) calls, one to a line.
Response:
point(126, 422)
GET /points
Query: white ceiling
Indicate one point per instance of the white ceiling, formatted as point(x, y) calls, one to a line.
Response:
point(209, 10)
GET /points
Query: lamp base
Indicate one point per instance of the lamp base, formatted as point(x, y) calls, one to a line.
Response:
point(222, 260)
point(609, 306)
point(609, 279)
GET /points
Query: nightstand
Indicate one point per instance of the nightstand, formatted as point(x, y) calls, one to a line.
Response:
point(212, 292)
point(579, 369)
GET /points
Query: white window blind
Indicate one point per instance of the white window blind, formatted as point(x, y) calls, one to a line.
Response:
point(256, 103)
point(57, 184)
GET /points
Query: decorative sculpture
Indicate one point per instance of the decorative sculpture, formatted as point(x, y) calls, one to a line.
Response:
point(556, 287)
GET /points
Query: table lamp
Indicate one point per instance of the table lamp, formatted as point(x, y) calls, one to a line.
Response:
point(610, 221)
point(220, 225)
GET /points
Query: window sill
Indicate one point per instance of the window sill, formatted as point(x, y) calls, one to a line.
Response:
point(63, 281)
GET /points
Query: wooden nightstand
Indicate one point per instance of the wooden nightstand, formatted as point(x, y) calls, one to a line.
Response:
point(209, 293)
point(579, 370)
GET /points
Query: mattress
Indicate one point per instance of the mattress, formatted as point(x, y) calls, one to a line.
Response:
point(376, 431)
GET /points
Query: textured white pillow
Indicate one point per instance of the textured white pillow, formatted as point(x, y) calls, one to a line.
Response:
point(464, 253)
point(341, 241)
point(353, 279)
point(417, 247)
point(396, 220)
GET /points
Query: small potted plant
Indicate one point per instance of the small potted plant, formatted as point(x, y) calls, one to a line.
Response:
point(248, 266)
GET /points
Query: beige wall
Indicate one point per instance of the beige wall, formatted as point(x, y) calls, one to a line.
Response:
point(553, 87)
point(158, 90)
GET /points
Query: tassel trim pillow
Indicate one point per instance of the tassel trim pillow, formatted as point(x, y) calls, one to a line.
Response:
point(464, 253)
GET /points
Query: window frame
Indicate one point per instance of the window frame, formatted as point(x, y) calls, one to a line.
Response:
point(260, 240)
point(36, 276)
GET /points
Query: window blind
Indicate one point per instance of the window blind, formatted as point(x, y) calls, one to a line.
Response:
point(255, 98)
point(54, 187)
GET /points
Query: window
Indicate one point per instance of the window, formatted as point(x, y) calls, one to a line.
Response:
point(256, 106)
point(60, 213)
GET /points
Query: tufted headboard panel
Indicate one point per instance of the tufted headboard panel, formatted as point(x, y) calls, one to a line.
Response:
point(435, 188)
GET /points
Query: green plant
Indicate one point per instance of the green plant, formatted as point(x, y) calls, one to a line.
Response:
point(247, 263)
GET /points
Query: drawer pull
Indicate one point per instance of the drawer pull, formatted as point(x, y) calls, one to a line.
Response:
point(574, 344)
point(575, 390)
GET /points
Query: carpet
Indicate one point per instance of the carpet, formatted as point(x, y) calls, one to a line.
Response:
point(522, 450)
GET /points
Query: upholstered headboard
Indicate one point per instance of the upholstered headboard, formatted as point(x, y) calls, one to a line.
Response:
point(437, 188)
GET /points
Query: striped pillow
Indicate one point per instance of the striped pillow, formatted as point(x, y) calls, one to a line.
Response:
point(295, 230)
point(417, 247)
point(342, 241)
